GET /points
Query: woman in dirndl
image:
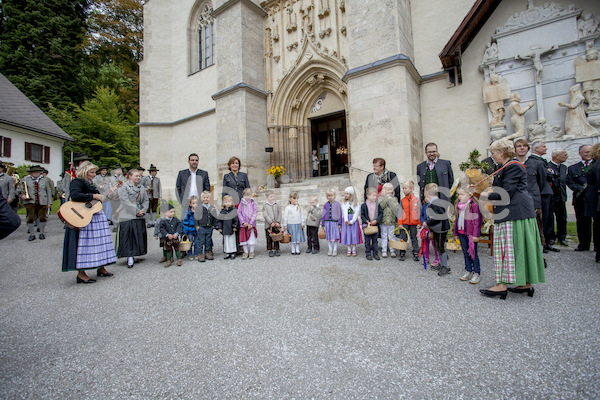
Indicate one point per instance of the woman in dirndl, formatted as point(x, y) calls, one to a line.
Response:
point(91, 247)
point(132, 240)
point(518, 257)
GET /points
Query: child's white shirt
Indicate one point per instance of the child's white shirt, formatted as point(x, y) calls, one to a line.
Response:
point(346, 205)
point(292, 215)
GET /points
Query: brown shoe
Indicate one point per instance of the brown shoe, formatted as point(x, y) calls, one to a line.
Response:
point(209, 255)
point(251, 256)
point(168, 264)
point(201, 258)
point(162, 260)
point(179, 263)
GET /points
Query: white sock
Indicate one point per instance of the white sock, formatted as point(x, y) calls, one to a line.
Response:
point(335, 243)
point(330, 244)
point(245, 246)
point(353, 247)
point(251, 248)
point(129, 260)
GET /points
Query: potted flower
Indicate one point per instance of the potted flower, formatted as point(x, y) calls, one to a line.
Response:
point(473, 168)
point(276, 171)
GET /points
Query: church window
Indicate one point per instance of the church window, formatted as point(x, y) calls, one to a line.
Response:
point(202, 53)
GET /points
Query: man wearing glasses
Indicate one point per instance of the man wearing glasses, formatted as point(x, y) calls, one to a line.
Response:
point(435, 170)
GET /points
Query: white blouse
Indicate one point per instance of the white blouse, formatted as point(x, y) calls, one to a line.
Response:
point(346, 207)
point(292, 215)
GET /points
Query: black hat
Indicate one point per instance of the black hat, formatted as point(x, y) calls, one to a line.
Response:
point(81, 157)
point(2, 165)
point(102, 167)
point(45, 171)
point(152, 168)
point(140, 168)
point(117, 166)
point(169, 206)
point(35, 168)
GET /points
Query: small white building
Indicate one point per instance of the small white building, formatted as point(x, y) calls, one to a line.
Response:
point(27, 135)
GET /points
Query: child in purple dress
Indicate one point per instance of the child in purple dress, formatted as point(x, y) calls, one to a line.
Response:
point(332, 221)
point(351, 235)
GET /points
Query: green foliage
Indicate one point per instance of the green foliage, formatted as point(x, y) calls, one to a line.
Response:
point(41, 49)
point(22, 170)
point(102, 129)
point(473, 162)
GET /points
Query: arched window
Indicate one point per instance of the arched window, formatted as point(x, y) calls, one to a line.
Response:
point(202, 37)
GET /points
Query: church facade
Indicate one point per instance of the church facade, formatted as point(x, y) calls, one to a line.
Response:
point(271, 81)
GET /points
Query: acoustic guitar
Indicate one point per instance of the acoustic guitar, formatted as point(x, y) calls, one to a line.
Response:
point(77, 215)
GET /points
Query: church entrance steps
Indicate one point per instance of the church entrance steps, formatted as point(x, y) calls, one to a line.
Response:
point(312, 186)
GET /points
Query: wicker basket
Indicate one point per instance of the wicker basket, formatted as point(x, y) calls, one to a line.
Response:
point(400, 244)
point(453, 245)
point(185, 244)
point(371, 230)
point(276, 236)
point(286, 238)
point(322, 233)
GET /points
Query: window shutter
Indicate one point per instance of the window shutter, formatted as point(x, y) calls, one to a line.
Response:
point(46, 154)
point(7, 142)
point(27, 151)
point(1, 146)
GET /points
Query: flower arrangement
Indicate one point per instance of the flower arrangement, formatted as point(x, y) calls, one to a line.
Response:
point(259, 189)
point(473, 162)
point(276, 170)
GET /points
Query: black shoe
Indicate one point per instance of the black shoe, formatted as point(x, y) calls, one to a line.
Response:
point(490, 293)
point(31, 237)
point(38, 229)
point(530, 291)
point(563, 242)
point(277, 253)
point(369, 257)
point(578, 248)
point(42, 237)
point(401, 257)
point(545, 263)
point(308, 251)
point(416, 257)
point(271, 253)
point(227, 256)
point(554, 249)
point(129, 265)
point(315, 251)
point(545, 250)
point(232, 256)
point(444, 271)
point(148, 226)
point(79, 280)
point(101, 274)
point(28, 231)
point(376, 256)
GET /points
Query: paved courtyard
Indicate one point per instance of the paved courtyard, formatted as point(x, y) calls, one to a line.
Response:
point(301, 327)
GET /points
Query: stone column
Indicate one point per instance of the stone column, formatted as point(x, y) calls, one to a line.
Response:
point(241, 99)
point(383, 89)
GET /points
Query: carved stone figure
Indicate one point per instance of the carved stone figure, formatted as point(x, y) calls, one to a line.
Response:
point(587, 72)
point(536, 57)
point(540, 130)
point(587, 25)
point(491, 53)
point(576, 123)
point(517, 115)
point(534, 15)
point(494, 94)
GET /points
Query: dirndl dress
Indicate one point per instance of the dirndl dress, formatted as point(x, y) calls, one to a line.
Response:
point(247, 236)
point(351, 234)
point(297, 233)
point(518, 256)
point(90, 247)
point(132, 240)
point(332, 230)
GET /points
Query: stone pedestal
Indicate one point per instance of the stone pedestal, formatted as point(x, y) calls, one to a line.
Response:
point(497, 132)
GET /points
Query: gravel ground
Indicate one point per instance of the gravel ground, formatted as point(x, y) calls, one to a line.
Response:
point(300, 327)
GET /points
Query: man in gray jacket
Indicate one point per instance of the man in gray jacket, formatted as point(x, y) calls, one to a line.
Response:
point(36, 194)
point(7, 186)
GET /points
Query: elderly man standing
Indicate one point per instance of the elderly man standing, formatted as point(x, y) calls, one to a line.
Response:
point(559, 197)
point(381, 176)
point(577, 182)
point(187, 187)
point(435, 170)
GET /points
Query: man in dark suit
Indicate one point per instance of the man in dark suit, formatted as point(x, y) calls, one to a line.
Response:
point(381, 176)
point(435, 170)
point(577, 182)
point(187, 187)
point(559, 197)
point(536, 162)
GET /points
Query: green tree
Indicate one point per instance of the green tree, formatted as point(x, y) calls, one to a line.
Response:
point(41, 48)
point(102, 129)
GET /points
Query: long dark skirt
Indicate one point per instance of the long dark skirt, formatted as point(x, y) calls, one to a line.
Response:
point(132, 240)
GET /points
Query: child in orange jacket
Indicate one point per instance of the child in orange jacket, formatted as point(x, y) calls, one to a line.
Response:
point(410, 218)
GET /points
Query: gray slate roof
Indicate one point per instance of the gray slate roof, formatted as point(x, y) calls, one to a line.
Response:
point(17, 110)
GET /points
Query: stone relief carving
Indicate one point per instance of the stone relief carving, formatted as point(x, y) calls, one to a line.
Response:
point(517, 115)
point(325, 32)
point(292, 20)
point(296, 104)
point(587, 73)
point(323, 8)
point(343, 30)
point(343, 6)
point(576, 123)
point(318, 103)
point(536, 57)
point(587, 25)
point(541, 130)
point(534, 15)
point(494, 94)
point(491, 53)
point(292, 46)
point(293, 132)
point(276, 34)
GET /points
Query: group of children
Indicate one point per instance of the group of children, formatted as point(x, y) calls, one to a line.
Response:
point(381, 216)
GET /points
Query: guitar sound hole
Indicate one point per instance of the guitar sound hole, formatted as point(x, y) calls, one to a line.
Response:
point(88, 205)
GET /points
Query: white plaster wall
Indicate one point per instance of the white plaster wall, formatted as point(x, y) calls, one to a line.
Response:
point(456, 118)
point(18, 138)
